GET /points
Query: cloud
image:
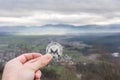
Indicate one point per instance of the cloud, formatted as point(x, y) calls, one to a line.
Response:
point(76, 12)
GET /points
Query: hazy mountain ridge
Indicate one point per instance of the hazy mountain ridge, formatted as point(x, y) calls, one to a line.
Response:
point(60, 29)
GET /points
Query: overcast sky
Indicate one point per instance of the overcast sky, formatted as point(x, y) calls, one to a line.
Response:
point(75, 12)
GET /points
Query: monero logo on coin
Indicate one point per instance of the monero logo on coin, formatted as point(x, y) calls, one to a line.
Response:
point(55, 49)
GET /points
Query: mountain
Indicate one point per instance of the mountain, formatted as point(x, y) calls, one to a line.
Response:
point(59, 29)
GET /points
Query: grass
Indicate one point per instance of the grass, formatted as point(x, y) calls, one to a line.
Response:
point(56, 68)
point(64, 72)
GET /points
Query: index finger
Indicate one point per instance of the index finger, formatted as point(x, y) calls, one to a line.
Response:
point(27, 56)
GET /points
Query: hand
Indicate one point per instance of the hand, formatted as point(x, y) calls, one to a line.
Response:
point(25, 67)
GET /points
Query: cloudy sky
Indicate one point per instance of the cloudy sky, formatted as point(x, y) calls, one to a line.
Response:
point(75, 12)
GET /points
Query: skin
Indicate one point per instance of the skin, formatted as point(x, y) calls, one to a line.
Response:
point(26, 67)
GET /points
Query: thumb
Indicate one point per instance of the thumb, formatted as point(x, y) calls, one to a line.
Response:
point(41, 62)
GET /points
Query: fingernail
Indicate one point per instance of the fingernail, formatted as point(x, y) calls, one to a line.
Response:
point(49, 56)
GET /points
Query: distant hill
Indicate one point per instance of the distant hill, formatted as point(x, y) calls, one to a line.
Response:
point(110, 42)
point(59, 29)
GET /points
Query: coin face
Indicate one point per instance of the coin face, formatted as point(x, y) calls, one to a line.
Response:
point(55, 49)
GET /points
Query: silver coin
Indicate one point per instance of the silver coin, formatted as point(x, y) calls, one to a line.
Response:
point(55, 49)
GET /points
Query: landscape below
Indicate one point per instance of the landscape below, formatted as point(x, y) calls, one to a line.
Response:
point(86, 57)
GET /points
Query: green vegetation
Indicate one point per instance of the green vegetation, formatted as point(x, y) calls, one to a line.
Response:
point(103, 67)
point(61, 73)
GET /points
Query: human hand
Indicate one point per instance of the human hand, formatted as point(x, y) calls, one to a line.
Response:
point(25, 67)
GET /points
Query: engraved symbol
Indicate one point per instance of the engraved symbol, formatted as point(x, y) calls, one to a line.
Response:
point(55, 49)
